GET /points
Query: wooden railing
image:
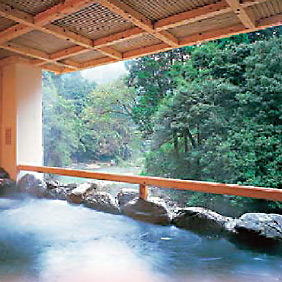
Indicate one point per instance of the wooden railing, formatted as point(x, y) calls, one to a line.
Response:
point(145, 181)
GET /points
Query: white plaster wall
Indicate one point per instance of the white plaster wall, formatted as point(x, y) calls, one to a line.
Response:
point(22, 112)
point(29, 115)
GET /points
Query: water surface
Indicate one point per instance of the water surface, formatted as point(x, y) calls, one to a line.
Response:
point(51, 240)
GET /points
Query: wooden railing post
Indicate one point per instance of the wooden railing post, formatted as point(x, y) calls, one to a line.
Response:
point(143, 191)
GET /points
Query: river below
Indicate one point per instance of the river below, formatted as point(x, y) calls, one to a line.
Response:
point(51, 240)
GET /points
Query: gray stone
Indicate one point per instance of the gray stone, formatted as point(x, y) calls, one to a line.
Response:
point(125, 195)
point(147, 211)
point(78, 194)
point(102, 201)
point(202, 221)
point(260, 225)
point(31, 185)
point(4, 174)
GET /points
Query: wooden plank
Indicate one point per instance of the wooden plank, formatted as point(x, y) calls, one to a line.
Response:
point(167, 38)
point(33, 53)
point(71, 64)
point(119, 37)
point(68, 35)
point(110, 52)
point(144, 51)
point(65, 53)
point(212, 35)
point(97, 62)
point(27, 51)
point(205, 12)
point(200, 186)
point(243, 15)
point(13, 32)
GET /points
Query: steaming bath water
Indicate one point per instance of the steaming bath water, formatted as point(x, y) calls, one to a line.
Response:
point(49, 240)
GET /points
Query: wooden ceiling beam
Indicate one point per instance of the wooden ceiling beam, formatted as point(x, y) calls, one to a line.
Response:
point(65, 53)
point(13, 32)
point(205, 36)
point(119, 37)
point(110, 52)
point(194, 15)
point(243, 14)
point(97, 62)
point(30, 52)
point(70, 36)
point(56, 12)
point(138, 19)
point(52, 14)
point(26, 51)
point(161, 25)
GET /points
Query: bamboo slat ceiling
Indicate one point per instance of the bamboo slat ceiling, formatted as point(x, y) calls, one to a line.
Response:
point(64, 36)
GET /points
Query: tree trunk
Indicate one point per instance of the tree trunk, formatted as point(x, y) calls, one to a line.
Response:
point(175, 140)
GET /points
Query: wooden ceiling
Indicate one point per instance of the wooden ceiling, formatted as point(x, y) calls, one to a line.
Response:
point(65, 36)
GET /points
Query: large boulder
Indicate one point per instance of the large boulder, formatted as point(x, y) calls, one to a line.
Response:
point(31, 185)
point(147, 211)
point(78, 194)
point(201, 221)
point(257, 226)
point(102, 201)
point(125, 195)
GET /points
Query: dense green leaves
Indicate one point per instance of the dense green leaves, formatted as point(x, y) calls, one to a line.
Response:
point(222, 118)
point(85, 123)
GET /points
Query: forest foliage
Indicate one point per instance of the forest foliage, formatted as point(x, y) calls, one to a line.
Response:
point(84, 122)
point(210, 112)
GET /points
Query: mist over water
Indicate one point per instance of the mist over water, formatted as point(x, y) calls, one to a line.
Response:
point(51, 240)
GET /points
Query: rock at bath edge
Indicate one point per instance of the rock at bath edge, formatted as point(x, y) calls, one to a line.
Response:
point(147, 211)
point(260, 226)
point(77, 195)
point(126, 195)
point(31, 185)
point(201, 221)
point(102, 201)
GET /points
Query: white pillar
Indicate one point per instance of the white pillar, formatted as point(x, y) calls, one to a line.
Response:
point(21, 128)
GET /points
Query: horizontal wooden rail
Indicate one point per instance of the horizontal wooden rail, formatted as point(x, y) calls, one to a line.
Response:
point(144, 181)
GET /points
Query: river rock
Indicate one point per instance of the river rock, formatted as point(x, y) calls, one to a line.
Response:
point(78, 194)
point(125, 195)
point(260, 226)
point(202, 221)
point(4, 174)
point(147, 211)
point(102, 201)
point(31, 185)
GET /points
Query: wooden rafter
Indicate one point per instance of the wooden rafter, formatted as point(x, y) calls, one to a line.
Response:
point(194, 15)
point(31, 52)
point(28, 23)
point(139, 20)
point(243, 14)
point(59, 61)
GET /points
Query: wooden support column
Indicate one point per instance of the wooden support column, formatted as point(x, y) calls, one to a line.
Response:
point(143, 191)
